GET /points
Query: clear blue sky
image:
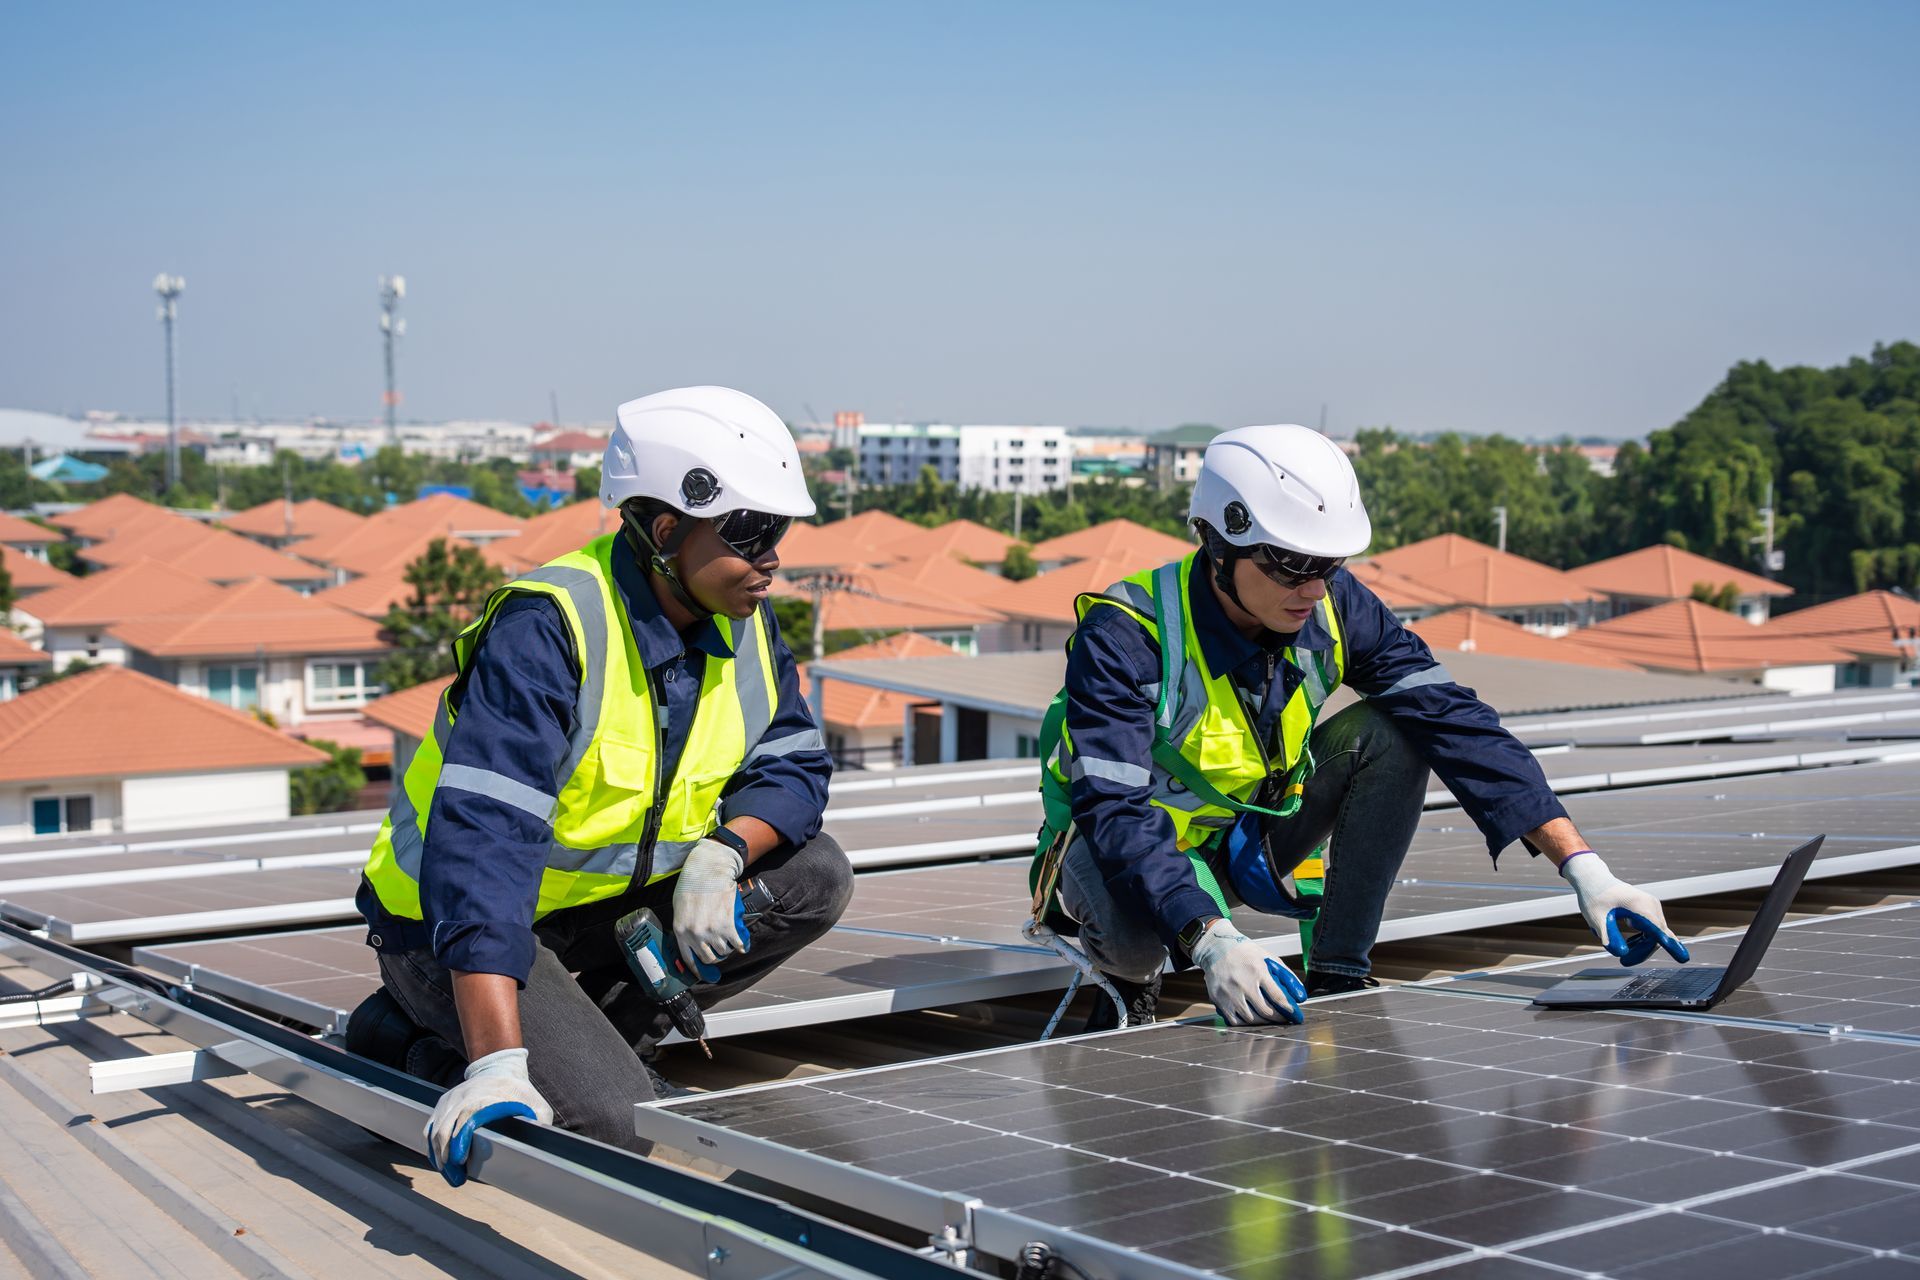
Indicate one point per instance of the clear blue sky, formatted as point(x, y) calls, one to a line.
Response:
point(1523, 217)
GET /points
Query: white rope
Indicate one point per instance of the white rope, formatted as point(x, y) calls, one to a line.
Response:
point(1083, 971)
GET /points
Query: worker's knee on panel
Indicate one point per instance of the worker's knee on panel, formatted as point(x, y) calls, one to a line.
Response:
point(812, 890)
point(1129, 957)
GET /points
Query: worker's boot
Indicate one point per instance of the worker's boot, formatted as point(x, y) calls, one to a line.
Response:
point(1336, 984)
point(1142, 999)
point(380, 1029)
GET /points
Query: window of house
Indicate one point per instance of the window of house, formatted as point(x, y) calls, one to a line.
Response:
point(339, 684)
point(234, 686)
point(1559, 617)
point(93, 646)
point(9, 686)
point(55, 814)
point(1025, 745)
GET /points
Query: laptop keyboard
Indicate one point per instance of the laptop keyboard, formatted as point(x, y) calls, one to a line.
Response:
point(1671, 984)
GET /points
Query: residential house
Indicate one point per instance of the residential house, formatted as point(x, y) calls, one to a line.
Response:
point(450, 515)
point(113, 516)
point(280, 523)
point(1477, 631)
point(1407, 598)
point(27, 537)
point(877, 601)
point(1524, 592)
point(1881, 630)
point(866, 728)
point(1654, 575)
point(74, 621)
point(966, 540)
point(1688, 636)
point(206, 552)
point(408, 714)
point(378, 546)
point(30, 574)
point(550, 534)
point(114, 750)
point(258, 645)
point(20, 663)
point(1040, 611)
point(1174, 457)
point(1121, 539)
point(569, 450)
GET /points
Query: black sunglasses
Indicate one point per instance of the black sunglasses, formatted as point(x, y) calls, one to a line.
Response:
point(751, 534)
point(1291, 568)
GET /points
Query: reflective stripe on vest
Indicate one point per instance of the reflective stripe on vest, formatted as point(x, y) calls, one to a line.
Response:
point(603, 809)
point(1205, 720)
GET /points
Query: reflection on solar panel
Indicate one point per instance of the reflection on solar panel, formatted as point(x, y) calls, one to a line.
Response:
point(1395, 1130)
point(1698, 722)
point(170, 908)
point(1858, 972)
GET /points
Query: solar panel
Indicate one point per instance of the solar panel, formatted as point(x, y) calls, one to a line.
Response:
point(1395, 1131)
point(1858, 972)
point(169, 908)
point(1697, 722)
point(317, 977)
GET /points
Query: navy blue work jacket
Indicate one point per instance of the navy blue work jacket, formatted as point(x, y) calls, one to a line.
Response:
point(1113, 660)
point(480, 873)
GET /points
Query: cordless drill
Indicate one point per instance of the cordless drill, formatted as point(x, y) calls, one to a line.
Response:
point(669, 977)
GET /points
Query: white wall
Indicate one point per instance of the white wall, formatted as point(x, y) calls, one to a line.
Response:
point(1003, 732)
point(1818, 679)
point(1014, 636)
point(284, 684)
point(89, 644)
point(16, 803)
point(187, 800)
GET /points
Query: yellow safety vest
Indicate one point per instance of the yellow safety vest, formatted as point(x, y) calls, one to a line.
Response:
point(615, 816)
point(1207, 759)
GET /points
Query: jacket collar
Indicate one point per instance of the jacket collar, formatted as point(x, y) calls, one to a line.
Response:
point(1222, 643)
point(654, 634)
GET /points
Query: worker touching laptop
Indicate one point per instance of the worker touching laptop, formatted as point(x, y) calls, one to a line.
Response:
point(625, 733)
point(1186, 768)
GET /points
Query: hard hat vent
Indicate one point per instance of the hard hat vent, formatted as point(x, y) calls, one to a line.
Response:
point(1239, 519)
point(699, 488)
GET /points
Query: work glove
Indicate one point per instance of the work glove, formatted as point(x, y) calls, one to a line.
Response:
point(1628, 921)
point(495, 1087)
point(705, 899)
point(1245, 983)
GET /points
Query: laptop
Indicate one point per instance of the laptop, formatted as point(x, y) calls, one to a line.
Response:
point(1693, 986)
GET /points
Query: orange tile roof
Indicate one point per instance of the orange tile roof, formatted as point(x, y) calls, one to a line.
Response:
point(112, 721)
point(214, 554)
point(1472, 631)
point(552, 533)
point(143, 588)
point(29, 574)
point(1502, 581)
point(1687, 635)
point(446, 513)
point(571, 442)
point(370, 595)
point(1877, 623)
point(875, 530)
point(1396, 590)
point(1668, 573)
point(823, 546)
point(964, 539)
point(25, 532)
point(948, 577)
point(370, 547)
point(852, 706)
point(1049, 597)
point(308, 519)
point(113, 514)
point(410, 710)
point(257, 616)
point(888, 602)
point(15, 652)
point(1431, 555)
point(1115, 540)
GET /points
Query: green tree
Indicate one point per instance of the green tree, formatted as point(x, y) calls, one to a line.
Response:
point(1018, 565)
point(1725, 597)
point(450, 587)
point(795, 615)
point(6, 596)
point(326, 788)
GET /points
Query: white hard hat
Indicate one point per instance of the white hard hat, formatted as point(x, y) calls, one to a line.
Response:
point(1281, 486)
point(704, 451)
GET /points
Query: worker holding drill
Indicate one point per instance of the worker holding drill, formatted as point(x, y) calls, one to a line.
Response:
point(625, 733)
point(1186, 768)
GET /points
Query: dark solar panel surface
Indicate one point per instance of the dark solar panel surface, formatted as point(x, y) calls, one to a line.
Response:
point(1685, 722)
point(169, 907)
point(1859, 972)
point(1395, 1130)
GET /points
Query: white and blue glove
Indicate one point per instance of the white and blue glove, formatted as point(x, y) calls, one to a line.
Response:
point(1628, 921)
point(706, 899)
point(495, 1088)
point(1245, 983)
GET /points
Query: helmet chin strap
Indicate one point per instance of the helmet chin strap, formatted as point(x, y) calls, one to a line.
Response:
point(661, 558)
point(1223, 555)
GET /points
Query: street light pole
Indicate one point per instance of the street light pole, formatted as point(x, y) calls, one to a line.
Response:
point(170, 288)
point(392, 290)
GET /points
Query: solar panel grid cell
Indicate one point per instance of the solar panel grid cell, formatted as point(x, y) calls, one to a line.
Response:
point(1394, 1130)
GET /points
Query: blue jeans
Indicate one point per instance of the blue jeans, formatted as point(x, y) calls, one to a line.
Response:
point(1365, 796)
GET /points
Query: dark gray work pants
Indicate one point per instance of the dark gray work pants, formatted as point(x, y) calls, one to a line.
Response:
point(1365, 795)
point(585, 1033)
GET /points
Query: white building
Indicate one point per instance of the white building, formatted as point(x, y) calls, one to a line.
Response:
point(998, 458)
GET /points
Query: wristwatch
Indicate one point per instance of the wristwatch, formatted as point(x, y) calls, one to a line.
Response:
point(732, 839)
